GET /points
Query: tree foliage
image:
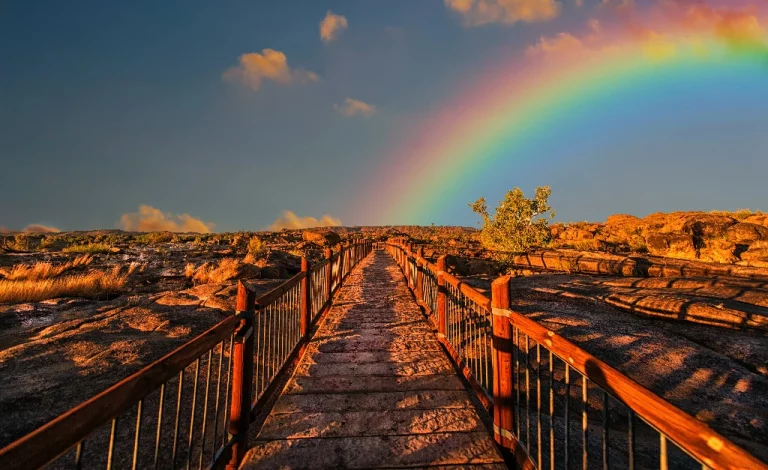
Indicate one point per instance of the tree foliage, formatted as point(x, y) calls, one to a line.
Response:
point(519, 223)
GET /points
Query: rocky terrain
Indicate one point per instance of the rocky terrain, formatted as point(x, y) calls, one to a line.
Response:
point(677, 301)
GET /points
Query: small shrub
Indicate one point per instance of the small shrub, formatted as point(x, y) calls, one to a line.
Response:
point(518, 224)
point(257, 249)
point(207, 273)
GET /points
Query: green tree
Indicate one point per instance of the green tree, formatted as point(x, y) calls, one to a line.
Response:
point(519, 223)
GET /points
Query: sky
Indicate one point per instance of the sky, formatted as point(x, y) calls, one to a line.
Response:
point(225, 116)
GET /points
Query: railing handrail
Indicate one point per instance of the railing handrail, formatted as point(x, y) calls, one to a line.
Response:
point(694, 437)
point(53, 439)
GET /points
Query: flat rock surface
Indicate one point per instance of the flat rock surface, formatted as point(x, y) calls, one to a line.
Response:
point(374, 390)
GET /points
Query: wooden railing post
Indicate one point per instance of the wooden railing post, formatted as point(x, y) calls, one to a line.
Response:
point(306, 299)
point(419, 274)
point(442, 298)
point(328, 273)
point(503, 387)
point(242, 375)
point(342, 254)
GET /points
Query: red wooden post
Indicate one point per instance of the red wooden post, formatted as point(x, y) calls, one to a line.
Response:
point(328, 272)
point(503, 387)
point(306, 299)
point(340, 273)
point(419, 274)
point(442, 299)
point(242, 375)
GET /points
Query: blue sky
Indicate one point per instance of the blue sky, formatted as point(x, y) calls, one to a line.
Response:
point(106, 106)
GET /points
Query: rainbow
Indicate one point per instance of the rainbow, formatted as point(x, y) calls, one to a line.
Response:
point(516, 101)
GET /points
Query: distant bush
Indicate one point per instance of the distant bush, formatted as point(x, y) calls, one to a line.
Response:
point(92, 248)
point(257, 249)
point(207, 273)
point(153, 238)
point(518, 224)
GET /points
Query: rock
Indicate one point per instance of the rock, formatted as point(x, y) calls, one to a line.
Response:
point(279, 264)
point(757, 219)
point(622, 220)
point(708, 225)
point(556, 229)
point(326, 238)
point(672, 245)
point(717, 251)
point(456, 265)
point(573, 233)
point(477, 266)
point(746, 233)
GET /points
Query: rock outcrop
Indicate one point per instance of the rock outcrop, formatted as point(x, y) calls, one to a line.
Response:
point(703, 236)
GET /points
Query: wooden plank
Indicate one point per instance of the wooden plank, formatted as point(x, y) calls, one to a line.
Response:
point(56, 437)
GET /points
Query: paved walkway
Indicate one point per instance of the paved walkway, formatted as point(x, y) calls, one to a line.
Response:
point(375, 390)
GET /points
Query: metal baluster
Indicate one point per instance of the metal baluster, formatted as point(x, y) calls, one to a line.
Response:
point(257, 351)
point(190, 438)
point(216, 405)
point(551, 411)
point(516, 352)
point(631, 438)
point(205, 410)
point(137, 435)
point(527, 394)
point(159, 432)
point(176, 422)
point(538, 405)
point(111, 449)
point(605, 430)
point(79, 455)
point(224, 434)
point(584, 422)
point(263, 357)
point(567, 414)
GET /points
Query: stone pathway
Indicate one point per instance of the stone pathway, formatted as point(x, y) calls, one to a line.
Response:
point(374, 390)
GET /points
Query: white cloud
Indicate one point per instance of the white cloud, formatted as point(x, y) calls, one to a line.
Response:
point(150, 219)
point(480, 12)
point(353, 107)
point(332, 26)
point(272, 65)
point(290, 220)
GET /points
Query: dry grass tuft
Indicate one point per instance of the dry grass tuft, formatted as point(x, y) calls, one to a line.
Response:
point(43, 270)
point(207, 273)
point(93, 284)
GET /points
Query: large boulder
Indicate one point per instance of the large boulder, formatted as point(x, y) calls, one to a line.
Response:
point(717, 250)
point(746, 233)
point(325, 238)
point(576, 233)
point(708, 225)
point(672, 245)
point(757, 219)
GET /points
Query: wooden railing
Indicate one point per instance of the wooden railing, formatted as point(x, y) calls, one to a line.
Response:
point(194, 406)
point(554, 405)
